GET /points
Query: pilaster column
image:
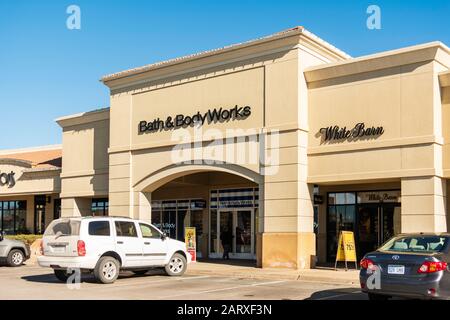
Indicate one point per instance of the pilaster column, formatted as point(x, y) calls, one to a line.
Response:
point(424, 202)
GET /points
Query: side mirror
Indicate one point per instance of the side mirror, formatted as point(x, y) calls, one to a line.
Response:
point(163, 236)
point(2, 235)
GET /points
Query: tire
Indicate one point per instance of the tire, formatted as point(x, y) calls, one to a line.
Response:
point(139, 272)
point(107, 270)
point(15, 258)
point(177, 266)
point(61, 275)
point(377, 297)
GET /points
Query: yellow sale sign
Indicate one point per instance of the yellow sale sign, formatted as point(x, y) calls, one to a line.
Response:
point(190, 239)
point(346, 247)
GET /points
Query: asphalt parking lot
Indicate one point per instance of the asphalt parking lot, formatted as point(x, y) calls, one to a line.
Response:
point(33, 282)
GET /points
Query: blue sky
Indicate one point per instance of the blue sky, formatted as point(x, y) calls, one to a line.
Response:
point(49, 71)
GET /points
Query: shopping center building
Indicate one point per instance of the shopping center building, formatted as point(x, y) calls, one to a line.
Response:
point(281, 142)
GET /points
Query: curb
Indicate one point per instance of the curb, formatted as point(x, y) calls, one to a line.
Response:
point(269, 276)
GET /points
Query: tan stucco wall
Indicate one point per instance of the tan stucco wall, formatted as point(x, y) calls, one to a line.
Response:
point(401, 93)
point(398, 90)
point(269, 79)
point(29, 180)
point(400, 101)
point(85, 160)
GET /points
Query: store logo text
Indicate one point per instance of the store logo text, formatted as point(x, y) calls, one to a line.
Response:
point(182, 121)
point(7, 179)
point(360, 131)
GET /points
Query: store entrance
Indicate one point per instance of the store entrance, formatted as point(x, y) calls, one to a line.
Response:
point(373, 216)
point(236, 230)
point(375, 225)
point(39, 214)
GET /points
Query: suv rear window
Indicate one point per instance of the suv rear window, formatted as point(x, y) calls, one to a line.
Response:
point(126, 229)
point(99, 228)
point(426, 244)
point(65, 227)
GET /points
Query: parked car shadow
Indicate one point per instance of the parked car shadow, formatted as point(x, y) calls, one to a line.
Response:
point(89, 278)
point(339, 294)
point(342, 294)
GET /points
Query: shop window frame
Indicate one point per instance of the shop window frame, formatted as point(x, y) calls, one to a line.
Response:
point(356, 219)
point(16, 209)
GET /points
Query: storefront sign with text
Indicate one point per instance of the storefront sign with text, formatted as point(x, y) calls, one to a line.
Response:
point(359, 131)
point(379, 196)
point(7, 179)
point(182, 121)
point(191, 243)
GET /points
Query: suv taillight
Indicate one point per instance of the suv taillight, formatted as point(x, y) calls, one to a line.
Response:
point(366, 263)
point(431, 267)
point(41, 248)
point(81, 248)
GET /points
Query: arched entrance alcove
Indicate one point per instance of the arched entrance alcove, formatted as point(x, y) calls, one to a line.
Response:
point(221, 202)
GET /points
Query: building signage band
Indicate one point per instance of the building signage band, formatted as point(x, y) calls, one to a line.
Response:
point(379, 196)
point(7, 179)
point(359, 131)
point(182, 121)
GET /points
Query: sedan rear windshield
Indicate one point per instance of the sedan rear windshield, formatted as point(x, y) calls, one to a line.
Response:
point(426, 244)
point(63, 227)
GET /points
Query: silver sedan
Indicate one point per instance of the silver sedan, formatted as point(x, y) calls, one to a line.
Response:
point(409, 266)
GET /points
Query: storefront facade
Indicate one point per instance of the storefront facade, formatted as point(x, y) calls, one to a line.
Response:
point(271, 147)
point(29, 189)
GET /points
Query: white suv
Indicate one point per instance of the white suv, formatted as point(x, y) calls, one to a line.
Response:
point(106, 245)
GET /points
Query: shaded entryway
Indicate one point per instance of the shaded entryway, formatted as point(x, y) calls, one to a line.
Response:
point(221, 206)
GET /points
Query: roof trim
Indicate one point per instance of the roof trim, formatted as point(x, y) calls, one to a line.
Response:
point(16, 162)
point(280, 35)
point(30, 149)
point(84, 117)
point(344, 68)
point(46, 169)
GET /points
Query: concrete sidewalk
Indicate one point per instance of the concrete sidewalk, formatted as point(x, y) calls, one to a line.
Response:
point(247, 270)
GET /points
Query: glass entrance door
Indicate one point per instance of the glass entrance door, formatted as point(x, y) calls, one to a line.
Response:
point(236, 229)
point(368, 228)
point(39, 214)
point(375, 226)
point(243, 232)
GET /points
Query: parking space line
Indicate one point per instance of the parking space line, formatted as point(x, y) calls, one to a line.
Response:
point(222, 289)
point(137, 283)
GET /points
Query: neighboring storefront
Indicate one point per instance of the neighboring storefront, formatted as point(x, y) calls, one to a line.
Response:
point(269, 148)
point(29, 189)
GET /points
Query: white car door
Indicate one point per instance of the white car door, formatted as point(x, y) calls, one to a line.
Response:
point(154, 247)
point(128, 243)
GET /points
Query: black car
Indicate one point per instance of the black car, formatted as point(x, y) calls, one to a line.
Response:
point(410, 266)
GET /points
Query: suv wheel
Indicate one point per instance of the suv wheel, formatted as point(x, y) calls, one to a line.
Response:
point(15, 258)
point(107, 270)
point(177, 265)
point(62, 275)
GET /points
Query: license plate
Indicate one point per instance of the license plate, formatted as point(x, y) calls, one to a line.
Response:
point(396, 269)
point(59, 249)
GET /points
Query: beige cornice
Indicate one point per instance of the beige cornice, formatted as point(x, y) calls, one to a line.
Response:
point(83, 118)
point(375, 144)
point(389, 59)
point(16, 162)
point(258, 47)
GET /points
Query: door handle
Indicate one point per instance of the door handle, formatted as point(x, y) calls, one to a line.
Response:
point(119, 242)
point(147, 243)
